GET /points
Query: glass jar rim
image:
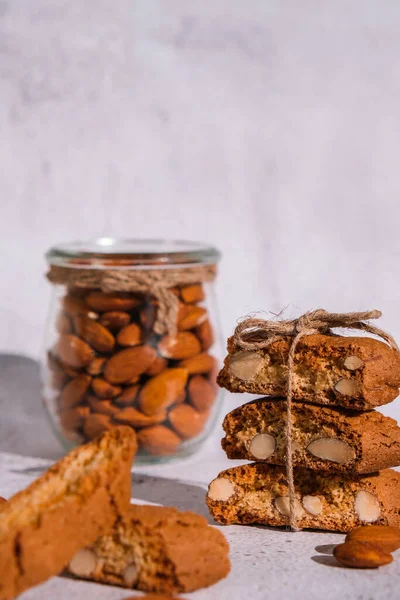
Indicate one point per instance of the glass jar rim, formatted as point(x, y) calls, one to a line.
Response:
point(127, 253)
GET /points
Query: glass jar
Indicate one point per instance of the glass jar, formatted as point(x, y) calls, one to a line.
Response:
point(133, 339)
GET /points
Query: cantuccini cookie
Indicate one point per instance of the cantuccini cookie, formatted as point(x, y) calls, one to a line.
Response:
point(325, 439)
point(258, 493)
point(77, 500)
point(354, 372)
point(156, 549)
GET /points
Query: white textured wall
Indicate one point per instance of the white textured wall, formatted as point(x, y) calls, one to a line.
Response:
point(269, 128)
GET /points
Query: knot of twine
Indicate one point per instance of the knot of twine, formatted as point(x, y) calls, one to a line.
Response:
point(255, 334)
point(155, 282)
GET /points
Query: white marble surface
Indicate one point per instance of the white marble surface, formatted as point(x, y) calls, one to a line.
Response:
point(266, 563)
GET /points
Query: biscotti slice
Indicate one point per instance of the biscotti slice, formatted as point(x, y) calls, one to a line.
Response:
point(156, 549)
point(323, 439)
point(69, 507)
point(355, 372)
point(258, 493)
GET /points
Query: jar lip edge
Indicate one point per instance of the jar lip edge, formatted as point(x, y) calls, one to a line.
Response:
point(169, 252)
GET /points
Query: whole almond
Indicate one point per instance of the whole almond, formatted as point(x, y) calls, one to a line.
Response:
point(104, 389)
point(162, 391)
point(115, 319)
point(128, 396)
point(54, 364)
point(70, 371)
point(133, 417)
point(205, 334)
point(190, 317)
point(186, 421)
point(201, 393)
point(75, 391)
point(361, 555)
point(58, 379)
point(103, 302)
point(73, 418)
point(63, 323)
point(202, 363)
point(385, 536)
point(129, 363)
point(96, 366)
point(73, 351)
point(180, 346)
point(181, 398)
point(131, 335)
point(76, 306)
point(95, 424)
point(158, 440)
point(94, 333)
point(157, 366)
point(103, 407)
point(192, 293)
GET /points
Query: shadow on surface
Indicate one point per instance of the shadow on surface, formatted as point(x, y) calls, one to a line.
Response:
point(325, 549)
point(327, 560)
point(171, 492)
point(24, 427)
point(325, 556)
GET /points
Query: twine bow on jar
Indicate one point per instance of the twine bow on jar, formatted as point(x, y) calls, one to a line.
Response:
point(158, 283)
point(255, 334)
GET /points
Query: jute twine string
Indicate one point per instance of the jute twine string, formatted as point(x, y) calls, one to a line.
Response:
point(155, 282)
point(255, 334)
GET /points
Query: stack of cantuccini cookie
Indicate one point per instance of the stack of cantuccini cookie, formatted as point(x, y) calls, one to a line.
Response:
point(340, 449)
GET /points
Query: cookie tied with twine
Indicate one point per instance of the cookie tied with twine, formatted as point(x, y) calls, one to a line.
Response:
point(155, 282)
point(256, 334)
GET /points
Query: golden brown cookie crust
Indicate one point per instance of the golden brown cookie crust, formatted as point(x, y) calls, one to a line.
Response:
point(319, 366)
point(162, 550)
point(255, 488)
point(68, 507)
point(373, 438)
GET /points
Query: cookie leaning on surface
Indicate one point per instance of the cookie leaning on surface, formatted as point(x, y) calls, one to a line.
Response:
point(156, 549)
point(325, 439)
point(258, 493)
point(68, 507)
point(353, 372)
